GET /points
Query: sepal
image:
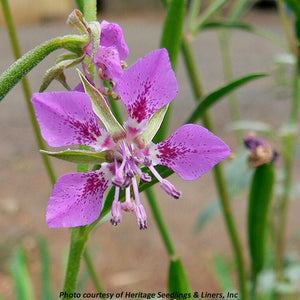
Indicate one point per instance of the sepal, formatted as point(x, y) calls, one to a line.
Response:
point(56, 72)
point(100, 107)
point(79, 156)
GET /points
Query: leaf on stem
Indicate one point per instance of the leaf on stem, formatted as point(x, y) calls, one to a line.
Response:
point(178, 281)
point(79, 156)
point(212, 98)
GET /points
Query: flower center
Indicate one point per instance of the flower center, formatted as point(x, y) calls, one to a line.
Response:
point(128, 162)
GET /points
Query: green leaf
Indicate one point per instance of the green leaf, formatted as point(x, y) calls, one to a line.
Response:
point(294, 5)
point(154, 124)
point(247, 28)
point(171, 40)
point(251, 125)
point(173, 29)
point(79, 156)
point(261, 193)
point(223, 272)
point(212, 98)
point(57, 70)
point(46, 276)
point(178, 282)
point(100, 107)
point(19, 269)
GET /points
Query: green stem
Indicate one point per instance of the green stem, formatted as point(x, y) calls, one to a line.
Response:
point(92, 271)
point(28, 61)
point(218, 171)
point(90, 10)
point(78, 240)
point(80, 234)
point(26, 89)
point(289, 155)
point(160, 222)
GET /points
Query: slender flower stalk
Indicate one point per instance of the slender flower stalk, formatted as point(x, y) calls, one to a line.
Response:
point(218, 172)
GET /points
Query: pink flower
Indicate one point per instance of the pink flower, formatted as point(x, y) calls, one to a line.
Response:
point(70, 118)
point(111, 52)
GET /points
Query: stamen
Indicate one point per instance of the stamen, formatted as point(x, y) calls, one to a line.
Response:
point(141, 216)
point(170, 189)
point(128, 205)
point(139, 209)
point(166, 185)
point(116, 211)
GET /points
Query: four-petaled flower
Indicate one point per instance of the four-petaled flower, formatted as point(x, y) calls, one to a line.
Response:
point(70, 118)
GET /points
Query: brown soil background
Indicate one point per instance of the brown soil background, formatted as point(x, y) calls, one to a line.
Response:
point(125, 257)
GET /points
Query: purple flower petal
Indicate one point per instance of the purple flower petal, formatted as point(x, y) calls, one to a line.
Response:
point(67, 118)
point(107, 59)
point(148, 85)
point(76, 199)
point(112, 36)
point(191, 151)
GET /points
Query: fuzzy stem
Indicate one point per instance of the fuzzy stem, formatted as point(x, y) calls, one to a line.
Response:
point(90, 10)
point(28, 61)
point(160, 222)
point(27, 90)
point(218, 172)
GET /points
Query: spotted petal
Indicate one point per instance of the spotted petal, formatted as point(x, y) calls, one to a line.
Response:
point(112, 36)
point(107, 59)
point(148, 85)
point(67, 118)
point(190, 152)
point(77, 198)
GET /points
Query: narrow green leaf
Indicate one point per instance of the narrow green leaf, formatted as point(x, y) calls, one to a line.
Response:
point(171, 40)
point(100, 107)
point(19, 269)
point(79, 156)
point(245, 27)
point(209, 12)
point(251, 125)
point(46, 276)
point(261, 193)
point(178, 282)
point(294, 5)
point(212, 98)
point(173, 28)
point(57, 70)
point(154, 124)
point(223, 272)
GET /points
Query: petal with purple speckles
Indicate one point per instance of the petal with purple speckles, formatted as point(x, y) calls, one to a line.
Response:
point(190, 152)
point(107, 59)
point(76, 199)
point(148, 85)
point(67, 118)
point(112, 36)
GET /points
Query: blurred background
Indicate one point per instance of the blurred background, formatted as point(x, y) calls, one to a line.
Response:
point(127, 258)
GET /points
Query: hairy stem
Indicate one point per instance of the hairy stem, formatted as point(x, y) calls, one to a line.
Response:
point(28, 61)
